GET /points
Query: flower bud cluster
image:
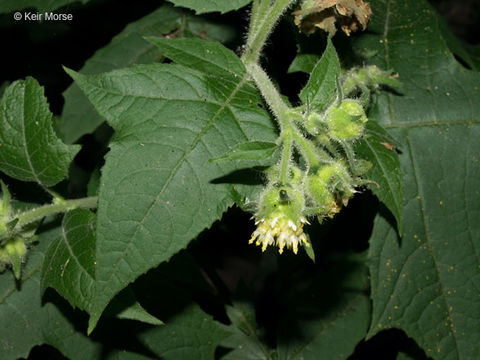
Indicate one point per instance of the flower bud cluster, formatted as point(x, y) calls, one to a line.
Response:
point(319, 188)
point(325, 172)
point(12, 246)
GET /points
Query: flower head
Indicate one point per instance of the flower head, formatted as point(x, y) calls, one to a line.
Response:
point(279, 220)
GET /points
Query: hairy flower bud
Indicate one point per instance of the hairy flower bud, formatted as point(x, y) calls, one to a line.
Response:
point(346, 121)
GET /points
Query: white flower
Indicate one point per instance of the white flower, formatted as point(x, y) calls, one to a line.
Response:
point(280, 231)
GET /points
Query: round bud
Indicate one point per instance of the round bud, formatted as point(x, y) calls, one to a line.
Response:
point(283, 200)
point(20, 247)
point(346, 121)
point(322, 195)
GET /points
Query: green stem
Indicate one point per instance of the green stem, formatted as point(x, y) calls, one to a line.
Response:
point(262, 23)
point(269, 92)
point(312, 154)
point(286, 155)
point(39, 213)
point(350, 155)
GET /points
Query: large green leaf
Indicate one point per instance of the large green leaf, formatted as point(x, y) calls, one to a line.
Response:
point(127, 48)
point(252, 150)
point(328, 314)
point(69, 264)
point(378, 148)
point(428, 282)
point(204, 6)
point(207, 57)
point(321, 89)
point(156, 189)
point(189, 335)
point(69, 268)
point(41, 5)
point(32, 323)
point(33, 320)
point(30, 150)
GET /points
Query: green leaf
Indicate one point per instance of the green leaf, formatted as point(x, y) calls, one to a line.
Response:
point(127, 48)
point(377, 146)
point(126, 306)
point(467, 52)
point(244, 339)
point(156, 190)
point(69, 265)
point(35, 321)
point(328, 313)
point(207, 57)
point(303, 63)
point(32, 323)
point(42, 6)
point(30, 150)
point(189, 335)
point(321, 89)
point(69, 268)
point(427, 283)
point(204, 6)
point(253, 150)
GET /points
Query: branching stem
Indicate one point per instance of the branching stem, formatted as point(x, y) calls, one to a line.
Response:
point(62, 206)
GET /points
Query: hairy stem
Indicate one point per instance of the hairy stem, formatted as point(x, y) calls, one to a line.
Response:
point(264, 19)
point(270, 93)
point(62, 206)
point(286, 155)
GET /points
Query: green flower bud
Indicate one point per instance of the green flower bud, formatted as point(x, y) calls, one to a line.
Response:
point(3, 229)
point(346, 121)
point(12, 253)
point(321, 193)
point(20, 246)
point(313, 123)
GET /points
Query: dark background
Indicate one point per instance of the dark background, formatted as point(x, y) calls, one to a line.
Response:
point(39, 50)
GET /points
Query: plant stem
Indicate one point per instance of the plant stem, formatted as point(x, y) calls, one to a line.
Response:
point(286, 155)
point(262, 23)
point(269, 92)
point(39, 213)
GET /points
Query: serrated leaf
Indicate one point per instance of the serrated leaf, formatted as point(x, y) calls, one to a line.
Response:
point(69, 265)
point(207, 57)
point(126, 306)
point(321, 89)
point(377, 147)
point(252, 150)
point(42, 6)
point(327, 314)
point(244, 340)
point(189, 335)
point(204, 6)
point(69, 268)
point(127, 48)
point(30, 150)
point(156, 189)
point(427, 283)
point(32, 323)
point(30, 320)
point(303, 63)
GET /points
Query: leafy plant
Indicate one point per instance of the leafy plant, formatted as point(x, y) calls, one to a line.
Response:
point(150, 244)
